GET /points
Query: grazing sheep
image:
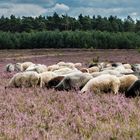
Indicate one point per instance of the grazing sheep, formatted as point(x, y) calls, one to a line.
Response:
point(39, 68)
point(108, 65)
point(136, 67)
point(108, 68)
point(111, 72)
point(65, 70)
point(55, 81)
point(102, 83)
point(74, 81)
point(84, 70)
point(53, 67)
point(24, 79)
point(78, 65)
point(126, 81)
point(10, 67)
point(102, 65)
point(22, 66)
point(120, 69)
point(61, 63)
point(46, 77)
point(68, 64)
point(93, 69)
point(133, 90)
point(127, 66)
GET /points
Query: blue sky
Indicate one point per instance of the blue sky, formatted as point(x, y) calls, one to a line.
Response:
point(120, 8)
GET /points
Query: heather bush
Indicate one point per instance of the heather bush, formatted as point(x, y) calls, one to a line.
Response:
point(35, 113)
point(47, 114)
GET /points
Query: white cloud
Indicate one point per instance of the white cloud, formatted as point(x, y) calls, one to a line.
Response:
point(58, 8)
point(21, 10)
point(18, 9)
point(61, 7)
point(120, 8)
point(105, 12)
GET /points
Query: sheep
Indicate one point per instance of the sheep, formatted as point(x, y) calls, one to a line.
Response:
point(54, 81)
point(102, 83)
point(68, 64)
point(126, 81)
point(78, 65)
point(46, 77)
point(39, 68)
point(111, 72)
point(93, 69)
point(108, 65)
point(73, 81)
point(10, 67)
point(136, 67)
point(22, 66)
point(133, 90)
point(24, 79)
point(61, 63)
point(122, 70)
point(65, 70)
point(102, 65)
point(84, 70)
point(108, 68)
point(127, 66)
point(53, 67)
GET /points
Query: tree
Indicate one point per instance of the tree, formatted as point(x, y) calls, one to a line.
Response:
point(129, 24)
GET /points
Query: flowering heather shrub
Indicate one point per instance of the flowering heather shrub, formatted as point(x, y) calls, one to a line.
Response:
point(47, 114)
point(40, 114)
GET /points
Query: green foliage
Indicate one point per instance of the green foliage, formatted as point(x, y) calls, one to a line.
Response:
point(70, 39)
point(68, 32)
point(67, 23)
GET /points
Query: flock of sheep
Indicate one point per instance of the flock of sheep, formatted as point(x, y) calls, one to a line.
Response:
point(97, 78)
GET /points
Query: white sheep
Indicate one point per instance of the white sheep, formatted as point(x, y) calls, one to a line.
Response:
point(22, 66)
point(126, 81)
point(64, 71)
point(111, 72)
point(94, 69)
point(102, 83)
point(39, 68)
point(74, 80)
point(46, 77)
point(53, 67)
point(78, 65)
point(68, 64)
point(24, 79)
point(10, 67)
point(127, 66)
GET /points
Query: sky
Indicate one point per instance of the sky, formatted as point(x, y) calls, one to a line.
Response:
point(105, 8)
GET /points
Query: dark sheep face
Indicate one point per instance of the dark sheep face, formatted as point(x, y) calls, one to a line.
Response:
point(64, 85)
point(55, 81)
point(133, 90)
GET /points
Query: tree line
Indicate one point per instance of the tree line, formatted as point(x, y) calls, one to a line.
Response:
point(67, 23)
point(70, 39)
point(68, 32)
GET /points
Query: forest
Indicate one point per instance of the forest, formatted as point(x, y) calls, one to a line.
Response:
point(68, 32)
